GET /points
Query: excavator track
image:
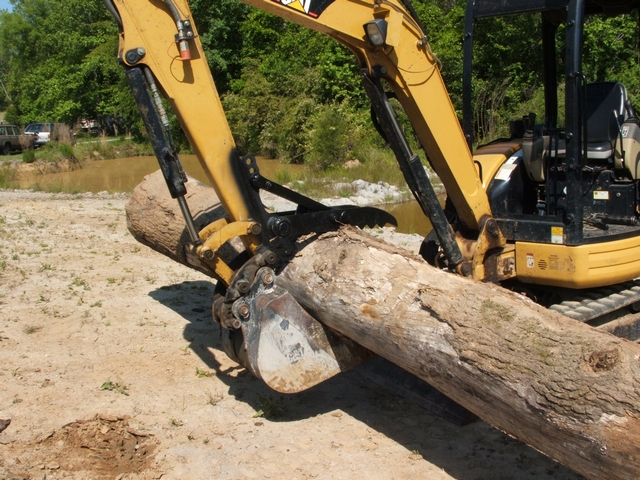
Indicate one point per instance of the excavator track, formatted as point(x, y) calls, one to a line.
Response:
point(598, 302)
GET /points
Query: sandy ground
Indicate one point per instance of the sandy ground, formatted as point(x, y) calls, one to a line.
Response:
point(110, 367)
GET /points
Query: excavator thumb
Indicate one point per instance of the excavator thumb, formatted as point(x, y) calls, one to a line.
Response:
point(280, 343)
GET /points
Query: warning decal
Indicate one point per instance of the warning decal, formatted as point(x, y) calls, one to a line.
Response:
point(313, 8)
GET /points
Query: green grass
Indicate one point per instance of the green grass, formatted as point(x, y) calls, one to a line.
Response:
point(114, 387)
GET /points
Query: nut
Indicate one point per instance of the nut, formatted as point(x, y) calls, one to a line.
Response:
point(244, 310)
point(243, 286)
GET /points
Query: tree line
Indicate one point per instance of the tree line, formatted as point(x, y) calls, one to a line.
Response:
point(288, 92)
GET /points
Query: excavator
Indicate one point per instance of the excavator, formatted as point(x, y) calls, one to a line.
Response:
point(551, 211)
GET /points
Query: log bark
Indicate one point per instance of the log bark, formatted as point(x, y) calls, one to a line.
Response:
point(560, 386)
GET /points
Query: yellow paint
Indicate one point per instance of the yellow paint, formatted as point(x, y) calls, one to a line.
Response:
point(583, 266)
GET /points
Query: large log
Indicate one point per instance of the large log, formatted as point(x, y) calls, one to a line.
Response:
point(568, 390)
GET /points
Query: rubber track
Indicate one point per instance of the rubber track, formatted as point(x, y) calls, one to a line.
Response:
point(600, 301)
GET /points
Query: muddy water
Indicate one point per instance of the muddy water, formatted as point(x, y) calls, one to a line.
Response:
point(123, 174)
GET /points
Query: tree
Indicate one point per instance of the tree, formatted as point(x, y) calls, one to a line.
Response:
point(62, 61)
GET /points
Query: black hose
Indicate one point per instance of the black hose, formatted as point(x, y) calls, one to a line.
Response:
point(174, 10)
point(112, 9)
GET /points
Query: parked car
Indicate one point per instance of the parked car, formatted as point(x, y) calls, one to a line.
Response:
point(11, 140)
point(42, 132)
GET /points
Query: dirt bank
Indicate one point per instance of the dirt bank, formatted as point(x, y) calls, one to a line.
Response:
point(110, 367)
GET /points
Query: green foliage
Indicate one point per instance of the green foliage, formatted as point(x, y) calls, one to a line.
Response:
point(289, 92)
point(612, 52)
point(28, 155)
point(62, 60)
point(270, 408)
point(219, 26)
point(329, 141)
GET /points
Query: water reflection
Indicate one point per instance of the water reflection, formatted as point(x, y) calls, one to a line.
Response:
point(124, 174)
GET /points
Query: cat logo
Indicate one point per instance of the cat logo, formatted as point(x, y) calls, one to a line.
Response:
point(301, 5)
point(313, 8)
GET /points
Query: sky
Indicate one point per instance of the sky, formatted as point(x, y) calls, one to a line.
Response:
point(5, 5)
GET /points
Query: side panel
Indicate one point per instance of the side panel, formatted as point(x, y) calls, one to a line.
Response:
point(584, 266)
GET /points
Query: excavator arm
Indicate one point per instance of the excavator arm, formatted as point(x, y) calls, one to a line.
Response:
point(162, 56)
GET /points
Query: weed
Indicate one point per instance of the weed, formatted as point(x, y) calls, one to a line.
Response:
point(29, 329)
point(270, 408)
point(45, 267)
point(190, 437)
point(213, 399)
point(176, 423)
point(185, 350)
point(204, 373)
point(79, 282)
point(111, 280)
point(205, 441)
point(17, 400)
point(114, 387)
point(28, 156)
point(96, 304)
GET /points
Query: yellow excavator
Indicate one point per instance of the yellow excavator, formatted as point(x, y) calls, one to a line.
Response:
point(551, 211)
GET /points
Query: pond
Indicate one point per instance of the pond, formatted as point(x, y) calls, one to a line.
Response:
point(124, 174)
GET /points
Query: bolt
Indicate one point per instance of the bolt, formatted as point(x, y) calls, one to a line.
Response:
point(270, 258)
point(267, 278)
point(243, 286)
point(279, 227)
point(492, 228)
point(254, 229)
point(236, 323)
point(141, 51)
point(244, 310)
point(208, 254)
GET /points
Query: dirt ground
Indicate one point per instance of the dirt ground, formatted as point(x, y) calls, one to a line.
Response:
point(110, 367)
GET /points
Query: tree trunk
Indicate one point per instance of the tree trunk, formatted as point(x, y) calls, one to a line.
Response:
point(568, 390)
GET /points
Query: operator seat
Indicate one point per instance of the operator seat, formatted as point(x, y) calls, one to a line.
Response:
point(605, 111)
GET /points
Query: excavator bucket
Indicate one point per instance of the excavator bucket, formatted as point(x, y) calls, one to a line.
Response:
point(285, 346)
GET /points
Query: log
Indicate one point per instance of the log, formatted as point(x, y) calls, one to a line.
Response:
point(558, 385)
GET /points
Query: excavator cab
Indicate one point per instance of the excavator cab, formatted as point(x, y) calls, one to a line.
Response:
point(565, 194)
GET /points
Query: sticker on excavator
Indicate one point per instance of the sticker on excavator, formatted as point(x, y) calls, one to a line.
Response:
point(530, 260)
point(313, 8)
point(557, 235)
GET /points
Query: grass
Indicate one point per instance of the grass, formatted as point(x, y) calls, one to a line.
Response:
point(114, 387)
point(270, 408)
point(204, 373)
point(380, 166)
